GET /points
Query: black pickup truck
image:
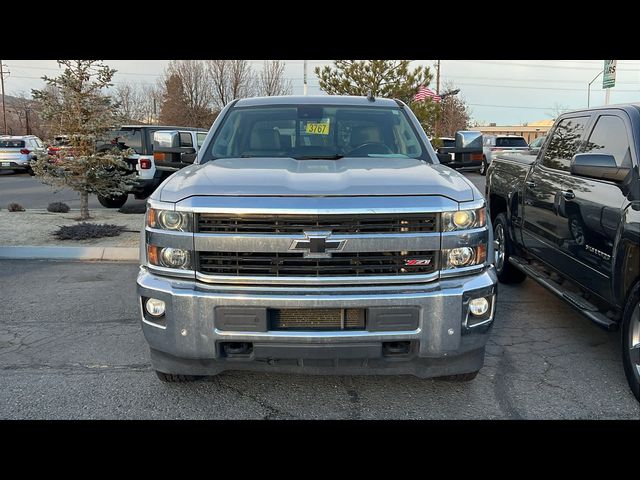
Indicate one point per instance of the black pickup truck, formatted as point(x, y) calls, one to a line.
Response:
point(569, 218)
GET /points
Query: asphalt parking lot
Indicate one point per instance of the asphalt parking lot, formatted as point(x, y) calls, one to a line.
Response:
point(30, 192)
point(71, 348)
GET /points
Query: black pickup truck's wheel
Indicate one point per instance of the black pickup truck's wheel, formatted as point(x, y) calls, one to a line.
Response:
point(113, 202)
point(172, 378)
point(631, 340)
point(507, 273)
point(483, 166)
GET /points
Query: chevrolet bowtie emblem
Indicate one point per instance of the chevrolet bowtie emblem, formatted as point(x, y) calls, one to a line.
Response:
point(317, 245)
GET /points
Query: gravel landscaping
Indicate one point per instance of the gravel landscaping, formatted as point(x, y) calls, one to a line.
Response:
point(36, 227)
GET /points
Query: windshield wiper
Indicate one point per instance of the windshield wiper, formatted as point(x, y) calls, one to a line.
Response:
point(337, 156)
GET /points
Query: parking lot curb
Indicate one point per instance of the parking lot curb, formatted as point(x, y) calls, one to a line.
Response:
point(123, 254)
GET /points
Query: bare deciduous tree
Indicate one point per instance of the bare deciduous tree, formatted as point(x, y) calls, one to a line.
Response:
point(271, 81)
point(454, 113)
point(230, 79)
point(197, 90)
point(130, 101)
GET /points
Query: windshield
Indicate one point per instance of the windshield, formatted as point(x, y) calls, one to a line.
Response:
point(315, 132)
point(511, 142)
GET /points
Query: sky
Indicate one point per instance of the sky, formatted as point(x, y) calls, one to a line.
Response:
point(505, 92)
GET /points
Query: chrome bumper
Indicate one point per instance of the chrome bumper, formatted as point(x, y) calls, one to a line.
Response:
point(188, 341)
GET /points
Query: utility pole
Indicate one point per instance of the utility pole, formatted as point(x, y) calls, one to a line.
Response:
point(26, 112)
point(4, 112)
point(306, 87)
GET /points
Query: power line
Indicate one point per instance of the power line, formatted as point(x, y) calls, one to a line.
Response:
point(510, 64)
point(536, 88)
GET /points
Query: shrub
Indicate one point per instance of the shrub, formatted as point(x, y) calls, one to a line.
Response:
point(58, 207)
point(84, 230)
point(15, 207)
point(139, 208)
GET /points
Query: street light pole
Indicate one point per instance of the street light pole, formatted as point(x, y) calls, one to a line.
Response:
point(4, 112)
point(589, 87)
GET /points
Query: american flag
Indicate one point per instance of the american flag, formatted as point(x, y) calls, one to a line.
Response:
point(424, 92)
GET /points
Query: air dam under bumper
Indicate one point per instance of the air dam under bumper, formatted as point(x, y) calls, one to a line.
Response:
point(188, 341)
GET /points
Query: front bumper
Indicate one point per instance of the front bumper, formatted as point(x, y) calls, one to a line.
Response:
point(187, 340)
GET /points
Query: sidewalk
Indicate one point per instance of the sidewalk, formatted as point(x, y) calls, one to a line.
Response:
point(29, 235)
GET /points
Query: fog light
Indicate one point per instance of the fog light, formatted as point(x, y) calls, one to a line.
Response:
point(459, 257)
point(155, 307)
point(174, 257)
point(478, 306)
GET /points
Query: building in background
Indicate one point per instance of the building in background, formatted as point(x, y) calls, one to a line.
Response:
point(530, 131)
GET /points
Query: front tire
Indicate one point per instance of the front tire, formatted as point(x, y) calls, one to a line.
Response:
point(506, 272)
point(631, 340)
point(113, 202)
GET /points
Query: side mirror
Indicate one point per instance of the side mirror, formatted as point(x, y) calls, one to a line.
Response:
point(601, 166)
point(469, 140)
point(168, 141)
point(444, 157)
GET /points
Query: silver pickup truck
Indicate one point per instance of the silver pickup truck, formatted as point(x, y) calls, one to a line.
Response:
point(316, 235)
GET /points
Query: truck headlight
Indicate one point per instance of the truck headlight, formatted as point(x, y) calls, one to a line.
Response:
point(464, 256)
point(169, 257)
point(169, 220)
point(464, 219)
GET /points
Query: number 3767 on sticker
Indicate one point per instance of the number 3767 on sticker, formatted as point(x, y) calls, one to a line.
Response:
point(318, 128)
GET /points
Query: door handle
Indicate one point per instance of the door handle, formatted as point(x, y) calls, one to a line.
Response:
point(530, 184)
point(568, 194)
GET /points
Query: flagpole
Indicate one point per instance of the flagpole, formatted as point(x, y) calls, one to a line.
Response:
point(437, 128)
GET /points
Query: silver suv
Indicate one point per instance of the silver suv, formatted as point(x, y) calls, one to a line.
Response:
point(17, 151)
point(496, 144)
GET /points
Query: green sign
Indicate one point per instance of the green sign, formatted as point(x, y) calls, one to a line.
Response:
point(609, 77)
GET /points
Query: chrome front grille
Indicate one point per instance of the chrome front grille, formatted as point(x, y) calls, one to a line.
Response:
point(281, 264)
point(297, 224)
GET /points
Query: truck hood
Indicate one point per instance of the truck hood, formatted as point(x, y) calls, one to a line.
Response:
point(290, 177)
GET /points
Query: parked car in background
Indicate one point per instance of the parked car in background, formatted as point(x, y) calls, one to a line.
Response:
point(570, 219)
point(536, 145)
point(16, 151)
point(151, 169)
point(494, 144)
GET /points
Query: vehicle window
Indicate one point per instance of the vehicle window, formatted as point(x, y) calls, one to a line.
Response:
point(200, 138)
point(537, 142)
point(11, 143)
point(610, 136)
point(511, 142)
point(488, 142)
point(130, 139)
point(564, 143)
point(315, 131)
point(186, 140)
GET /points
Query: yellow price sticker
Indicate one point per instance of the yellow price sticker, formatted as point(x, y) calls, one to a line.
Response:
point(320, 128)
